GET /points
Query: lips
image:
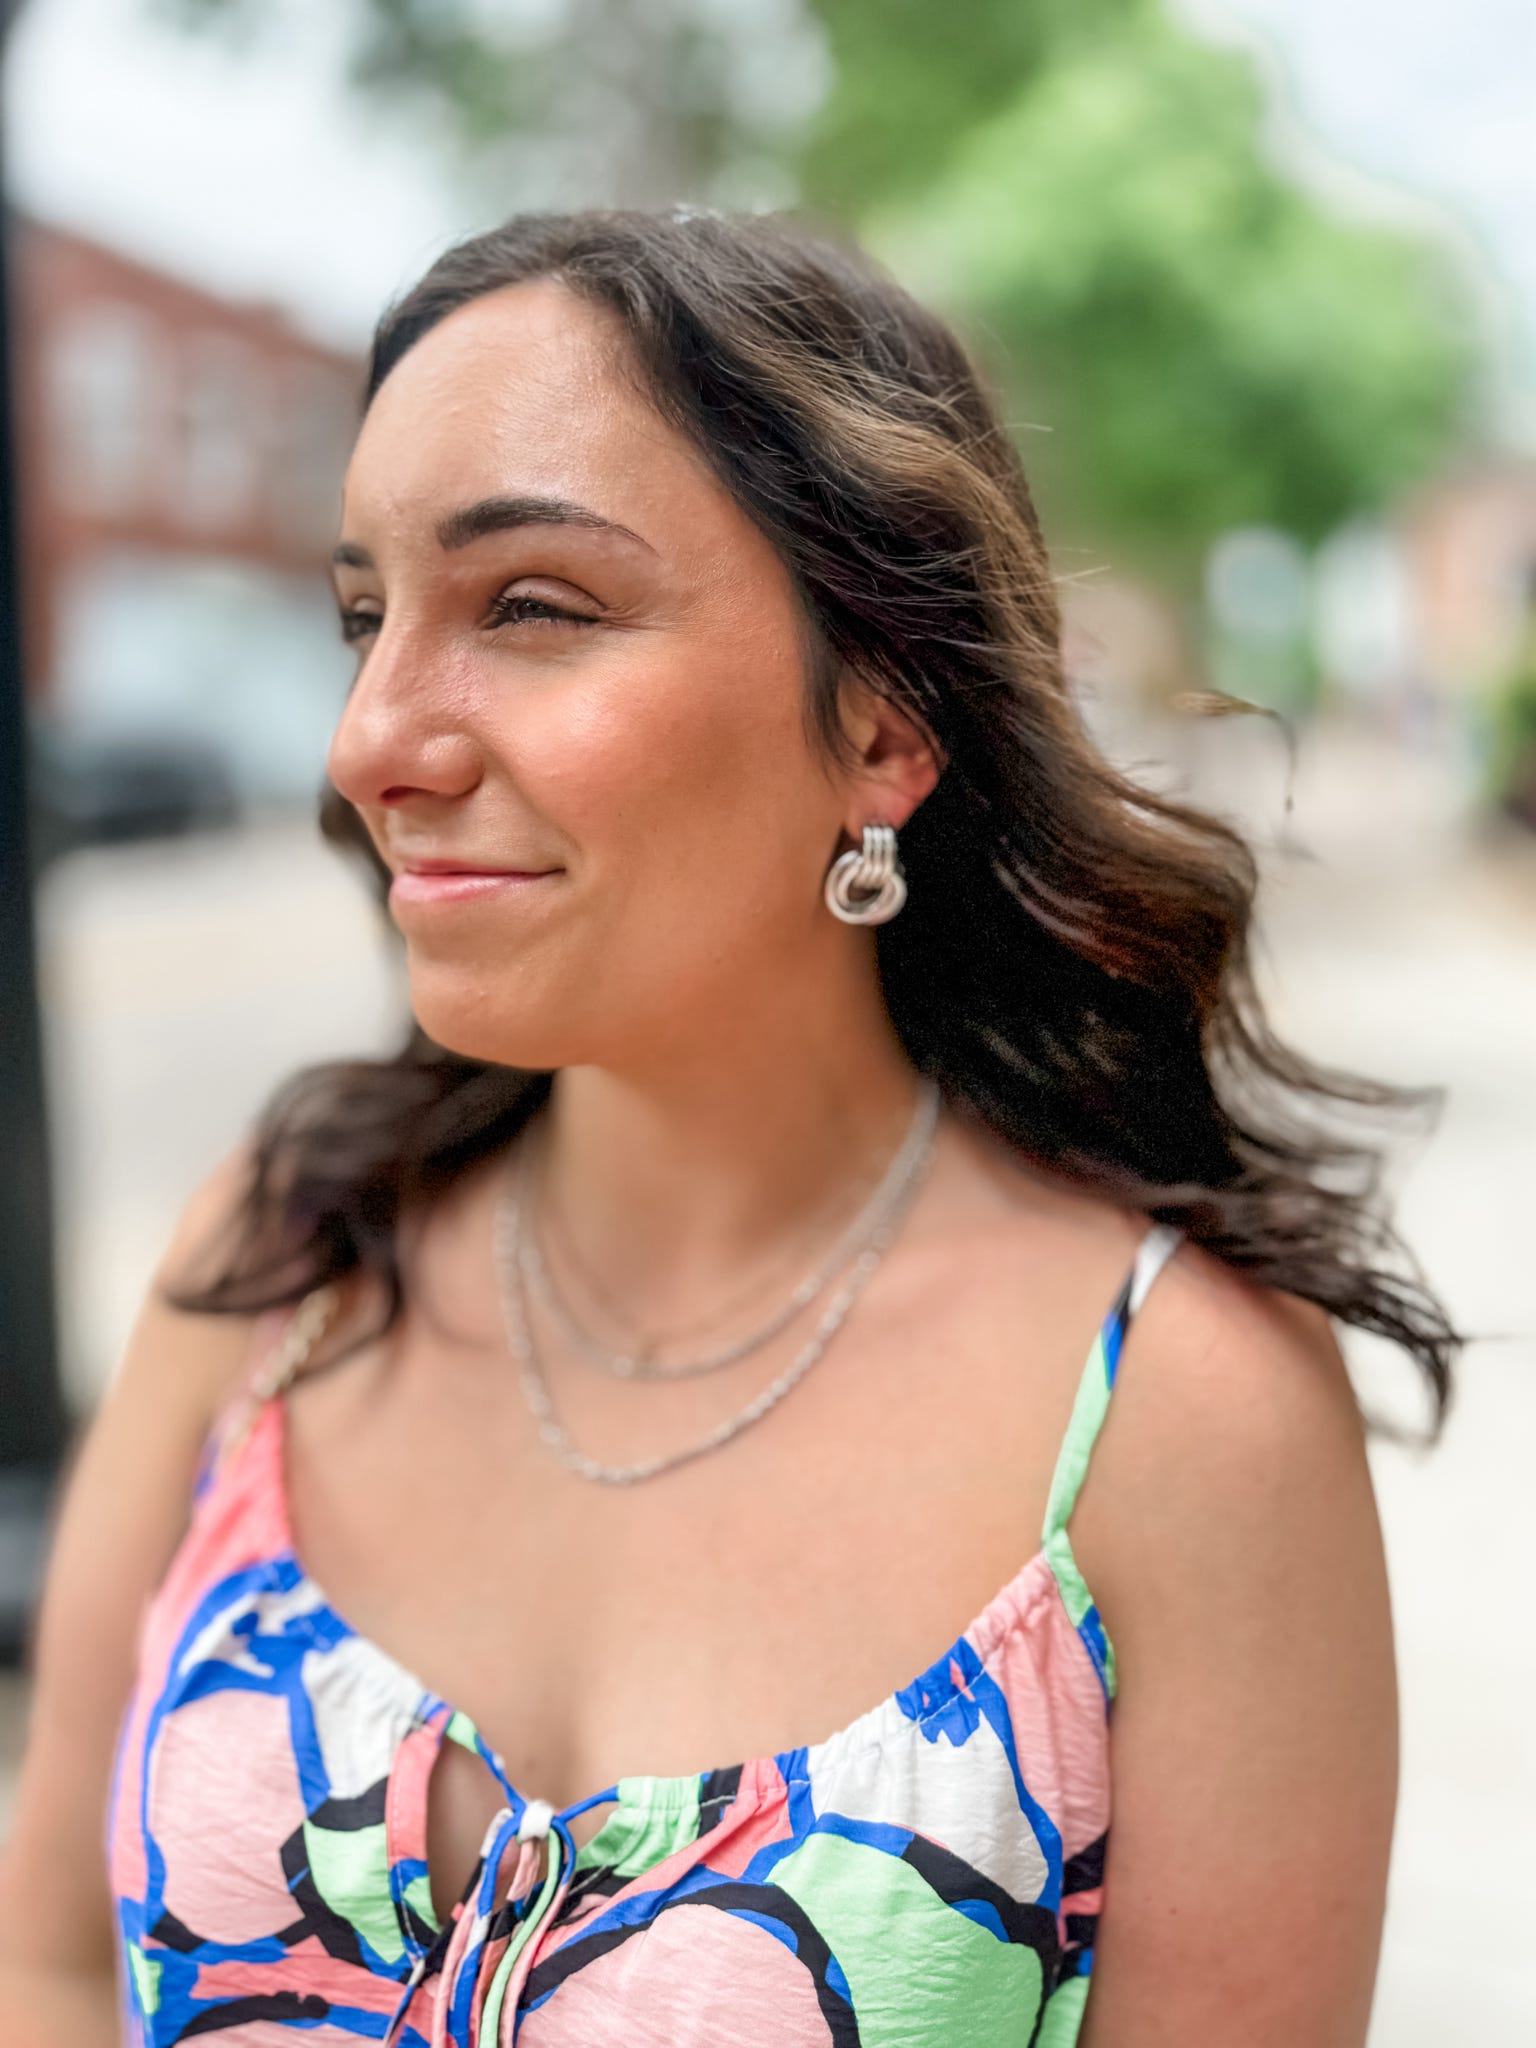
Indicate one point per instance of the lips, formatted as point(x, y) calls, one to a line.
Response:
point(438, 865)
point(439, 880)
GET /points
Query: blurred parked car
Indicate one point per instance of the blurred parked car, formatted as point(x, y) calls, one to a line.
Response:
point(103, 789)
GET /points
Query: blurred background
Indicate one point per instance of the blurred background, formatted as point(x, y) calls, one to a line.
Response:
point(1257, 282)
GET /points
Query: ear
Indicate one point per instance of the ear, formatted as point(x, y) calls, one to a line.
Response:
point(898, 761)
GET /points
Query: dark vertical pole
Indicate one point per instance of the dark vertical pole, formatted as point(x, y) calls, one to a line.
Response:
point(33, 1423)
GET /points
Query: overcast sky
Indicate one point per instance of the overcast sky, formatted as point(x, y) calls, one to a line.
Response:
point(256, 172)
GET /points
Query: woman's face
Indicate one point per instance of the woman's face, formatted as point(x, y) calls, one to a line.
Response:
point(598, 686)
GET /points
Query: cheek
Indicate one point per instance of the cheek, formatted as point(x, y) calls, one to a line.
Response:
point(677, 750)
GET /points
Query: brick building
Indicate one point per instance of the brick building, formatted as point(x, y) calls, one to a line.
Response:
point(180, 458)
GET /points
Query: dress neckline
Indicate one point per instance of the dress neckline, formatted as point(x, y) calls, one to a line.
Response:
point(905, 1709)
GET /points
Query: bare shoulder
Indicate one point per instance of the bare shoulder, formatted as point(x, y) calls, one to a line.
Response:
point(176, 1369)
point(1228, 1529)
point(1220, 1377)
point(1233, 1410)
point(123, 1508)
point(1231, 1471)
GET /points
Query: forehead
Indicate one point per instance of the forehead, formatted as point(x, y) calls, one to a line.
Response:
point(530, 387)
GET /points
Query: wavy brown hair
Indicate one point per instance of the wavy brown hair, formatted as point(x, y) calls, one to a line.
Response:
point(1072, 966)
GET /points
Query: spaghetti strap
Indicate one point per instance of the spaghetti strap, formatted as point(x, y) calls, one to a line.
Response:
point(282, 1339)
point(1088, 1412)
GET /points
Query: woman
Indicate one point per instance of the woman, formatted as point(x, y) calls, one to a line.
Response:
point(594, 1417)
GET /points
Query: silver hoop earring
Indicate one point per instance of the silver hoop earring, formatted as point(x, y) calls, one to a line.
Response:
point(868, 886)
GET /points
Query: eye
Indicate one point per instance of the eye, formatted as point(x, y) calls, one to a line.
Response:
point(356, 625)
point(514, 608)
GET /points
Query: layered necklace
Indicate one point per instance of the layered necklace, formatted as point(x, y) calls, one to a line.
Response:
point(864, 1243)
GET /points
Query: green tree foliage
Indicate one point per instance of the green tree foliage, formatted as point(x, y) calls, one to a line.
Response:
point(1081, 182)
point(1202, 344)
point(912, 79)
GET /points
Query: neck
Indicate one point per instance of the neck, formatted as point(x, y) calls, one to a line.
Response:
point(680, 1173)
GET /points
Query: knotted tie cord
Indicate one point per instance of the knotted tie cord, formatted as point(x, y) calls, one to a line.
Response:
point(478, 1936)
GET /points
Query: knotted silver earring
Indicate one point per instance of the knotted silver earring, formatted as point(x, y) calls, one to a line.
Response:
point(867, 886)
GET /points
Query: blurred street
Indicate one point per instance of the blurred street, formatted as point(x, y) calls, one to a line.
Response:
point(184, 978)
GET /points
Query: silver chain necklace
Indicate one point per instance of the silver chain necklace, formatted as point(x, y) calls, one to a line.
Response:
point(916, 1152)
point(642, 1364)
point(646, 1345)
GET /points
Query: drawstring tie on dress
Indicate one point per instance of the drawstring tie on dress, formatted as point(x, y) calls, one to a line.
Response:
point(483, 1952)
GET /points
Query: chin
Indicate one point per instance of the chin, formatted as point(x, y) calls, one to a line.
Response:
point(481, 1022)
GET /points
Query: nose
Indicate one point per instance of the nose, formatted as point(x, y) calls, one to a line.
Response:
point(401, 732)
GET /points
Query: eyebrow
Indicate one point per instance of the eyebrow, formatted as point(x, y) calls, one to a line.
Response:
point(499, 515)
